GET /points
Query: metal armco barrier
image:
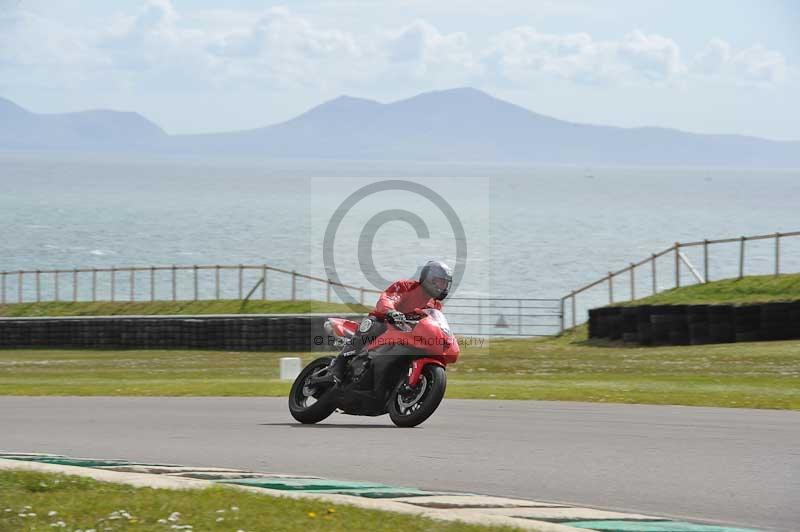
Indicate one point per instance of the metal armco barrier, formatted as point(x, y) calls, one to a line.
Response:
point(498, 316)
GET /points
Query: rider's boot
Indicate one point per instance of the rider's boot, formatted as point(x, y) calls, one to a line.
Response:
point(340, 362)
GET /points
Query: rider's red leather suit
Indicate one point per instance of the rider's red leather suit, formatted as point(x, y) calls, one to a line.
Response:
point(404, 296)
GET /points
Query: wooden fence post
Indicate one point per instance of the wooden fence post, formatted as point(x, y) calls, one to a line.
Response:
point(653, 267)
point(328, 291)
point(777, 253)
point(216, 281)
point(94, 285)
point(705, 259)
point(741, 257)
point(133, 284)
point(55, 283)
point(174, 284)
point(574, 318)
point(264, 284)
point(75, 285)
point(113, 282)
point(3, 287)
point(677, 265)
point(152, 283)
point(562, 321)
point(610, 287)
point(38, 286)
point(241, 281)
point(195, 282)
point(633, 281)
point(19, 286)
point(294, 285)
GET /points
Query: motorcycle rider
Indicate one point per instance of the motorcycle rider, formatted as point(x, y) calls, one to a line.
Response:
point(400, 298)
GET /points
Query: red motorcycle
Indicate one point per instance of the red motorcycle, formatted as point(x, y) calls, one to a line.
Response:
point(400, 372)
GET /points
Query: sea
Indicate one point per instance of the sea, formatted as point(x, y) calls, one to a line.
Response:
point(510, 231)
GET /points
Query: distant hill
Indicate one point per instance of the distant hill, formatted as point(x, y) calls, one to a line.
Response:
point(84, 131)
point(452, 125)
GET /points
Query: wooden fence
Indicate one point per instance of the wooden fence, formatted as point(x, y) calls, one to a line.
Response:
point(129, 283)
point(481, 316)
point(679, 261)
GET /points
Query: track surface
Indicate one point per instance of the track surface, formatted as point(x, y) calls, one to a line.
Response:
point(739, 467)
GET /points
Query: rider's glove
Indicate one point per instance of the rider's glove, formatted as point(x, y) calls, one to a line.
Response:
point(395, 316)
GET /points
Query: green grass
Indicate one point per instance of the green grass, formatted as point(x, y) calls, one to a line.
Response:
point(85, 504)
point(109, 308)
point(756, 375)
point(752, 289)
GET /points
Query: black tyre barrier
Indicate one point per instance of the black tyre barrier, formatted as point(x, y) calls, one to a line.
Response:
point(696, 324)
point(747, 323)
point(297, 332)
point(679, 332)
point(630, 325)
point(795, 313)
point(593, 322)
point(720, 324)
point(661, 318)
point(614, 318)
point(699, 330)
point(643, 325)
point(777, 321)
point(602, 322)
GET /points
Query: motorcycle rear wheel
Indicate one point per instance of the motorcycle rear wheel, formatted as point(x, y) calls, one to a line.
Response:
point(410, 407)
point(323, 403)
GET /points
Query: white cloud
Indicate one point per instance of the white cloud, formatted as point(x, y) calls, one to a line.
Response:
point(34, 47)
point(425, 51)
point(653, 56)
point(160, 46)
point(523, 53)
point(713, 58)
point(286, 49)
point(755, 65)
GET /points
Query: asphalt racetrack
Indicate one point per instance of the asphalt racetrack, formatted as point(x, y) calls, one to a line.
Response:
point(739, 467)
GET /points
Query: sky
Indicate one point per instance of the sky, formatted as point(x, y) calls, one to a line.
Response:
point(193, 66)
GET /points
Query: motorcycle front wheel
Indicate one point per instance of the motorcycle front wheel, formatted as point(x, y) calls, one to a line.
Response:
point(408, 406)
point(311, 404)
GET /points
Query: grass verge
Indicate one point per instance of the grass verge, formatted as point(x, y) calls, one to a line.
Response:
point(127, 308)
point(754, 375)
point(751, 289)
point(38, 501)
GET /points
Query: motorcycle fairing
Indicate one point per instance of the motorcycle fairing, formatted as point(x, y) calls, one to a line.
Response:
point(430, 336)
point(370, 395)
point(417, 366)
point(341, 327)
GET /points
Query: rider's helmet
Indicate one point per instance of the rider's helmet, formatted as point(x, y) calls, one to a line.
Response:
point(436, 279)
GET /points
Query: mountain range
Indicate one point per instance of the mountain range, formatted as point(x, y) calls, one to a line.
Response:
point(456, 125)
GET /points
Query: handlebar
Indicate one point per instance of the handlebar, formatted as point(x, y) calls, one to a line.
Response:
point(408, 322)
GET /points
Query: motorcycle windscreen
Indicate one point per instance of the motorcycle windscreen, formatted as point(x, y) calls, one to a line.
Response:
point(438, 317)
point(449, 349)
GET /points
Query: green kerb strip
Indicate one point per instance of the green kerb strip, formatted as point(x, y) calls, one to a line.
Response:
point(385, 493)
point(651, 526)
point(78, 462)
point(319, 485)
